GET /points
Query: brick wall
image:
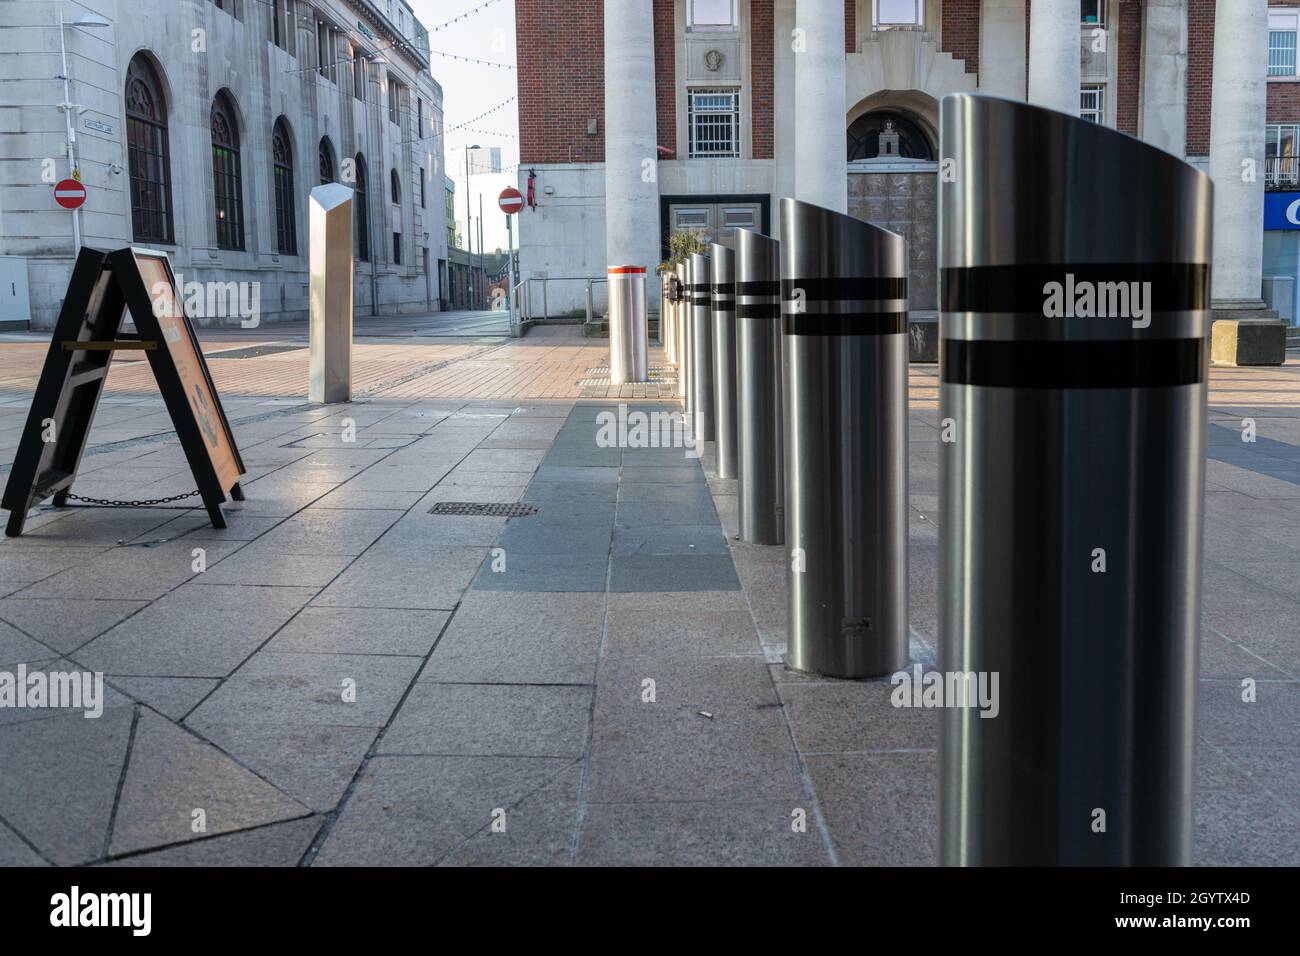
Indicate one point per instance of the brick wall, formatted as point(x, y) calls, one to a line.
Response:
point(666, 73)
point(960, 30)
point(1283, 98)
point(561, 58)
point(1200, 65)
point(761, 53)
point(1129, 67)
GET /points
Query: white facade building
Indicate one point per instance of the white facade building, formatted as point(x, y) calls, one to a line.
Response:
point(200, 128)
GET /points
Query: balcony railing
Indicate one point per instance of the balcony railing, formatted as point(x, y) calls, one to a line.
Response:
point(1282, 172)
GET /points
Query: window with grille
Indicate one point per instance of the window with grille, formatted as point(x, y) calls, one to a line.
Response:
point(227, 187)
point(896, 14)
point(714, 123)
point(325, 157)
point(394, 100)
point(147, 154)
point(691, 219)
point(738, 218)
point(286, 234)
point(1282, 44)
point(363, 213)
point(711, 15)
point(1092, 103)
point(1092, 13)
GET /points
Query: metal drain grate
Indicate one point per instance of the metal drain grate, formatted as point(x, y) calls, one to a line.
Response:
point(484, 509)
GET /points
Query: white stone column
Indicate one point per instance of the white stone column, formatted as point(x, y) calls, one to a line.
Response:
point(1239, 98)
point(1162, 112)
point(821, 137)
point(1002, 48)
point(631, 138)
point(1054, 55)
point(783, 181)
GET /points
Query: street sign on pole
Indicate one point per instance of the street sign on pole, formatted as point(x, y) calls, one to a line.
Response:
point(511, 200)
point(70, 194)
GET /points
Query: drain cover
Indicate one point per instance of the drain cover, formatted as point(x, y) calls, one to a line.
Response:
point(484, 509)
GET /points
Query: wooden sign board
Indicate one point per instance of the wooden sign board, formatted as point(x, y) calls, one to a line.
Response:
point(104, 288)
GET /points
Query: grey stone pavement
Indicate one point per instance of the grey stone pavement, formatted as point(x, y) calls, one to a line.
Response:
point(354, 680)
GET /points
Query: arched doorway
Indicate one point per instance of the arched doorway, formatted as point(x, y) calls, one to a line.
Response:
point(903, 137)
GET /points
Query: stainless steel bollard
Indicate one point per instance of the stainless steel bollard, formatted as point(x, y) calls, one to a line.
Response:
point(722, 306)
point(329, 377)
point(683, 340)
point(1073, 366)
point(844, 307)
point(628, 325)
point(761, 484)
point(703, 423)
point(668, 317)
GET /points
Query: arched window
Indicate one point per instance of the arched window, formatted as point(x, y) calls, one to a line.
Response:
point(227, 186)
point(326, 156)
point(905, 138)
point(397, 189)
point(286, 233)
point(147, 154)
point(363, 214)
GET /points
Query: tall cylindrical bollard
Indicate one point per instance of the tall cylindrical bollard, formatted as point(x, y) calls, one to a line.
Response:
point(844, 306)
point(758, 394)
point(722, 306)
point(1072, 459)
point(628, 331)
point(704, 423)
point(667, 299)
point(683, 340)
point(688, 341)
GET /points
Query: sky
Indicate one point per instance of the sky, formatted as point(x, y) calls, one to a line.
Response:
point(470, 89)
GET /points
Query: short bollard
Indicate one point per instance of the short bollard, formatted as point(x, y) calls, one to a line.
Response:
point(1071, 460)
point(722, 305)
point(628, 325)
point(844, 305)
point(760, 487)
point(329, 376)
point(703, 422)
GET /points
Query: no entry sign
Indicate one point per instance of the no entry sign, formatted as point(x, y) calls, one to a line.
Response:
point(511, 200)
point(70, 194)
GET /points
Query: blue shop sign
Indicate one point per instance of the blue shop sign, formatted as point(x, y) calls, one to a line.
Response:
point(1282, 210)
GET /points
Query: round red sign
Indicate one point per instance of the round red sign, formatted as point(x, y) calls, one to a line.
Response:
point(70, 194)
point(511, 200)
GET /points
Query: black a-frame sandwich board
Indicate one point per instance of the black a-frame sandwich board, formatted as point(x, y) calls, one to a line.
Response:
point(103, 288)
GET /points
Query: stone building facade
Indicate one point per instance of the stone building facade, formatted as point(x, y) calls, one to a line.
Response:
point(725, 69)
point(200, 128)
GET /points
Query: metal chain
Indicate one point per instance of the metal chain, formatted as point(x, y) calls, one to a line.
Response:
point(133, 504)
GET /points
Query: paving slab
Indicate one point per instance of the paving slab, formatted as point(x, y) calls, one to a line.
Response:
point(276, 844)
point(342, 630)
point(672, 572)
point(433, 580)
point(445, 800)
point(541, 571)
point(503, 637)
point(63, 806)
point(312, 763)
point(310, 690)
point(497, 720)
point(199, 630)
point(172, 697)
point(171, 774)
point(880, 808)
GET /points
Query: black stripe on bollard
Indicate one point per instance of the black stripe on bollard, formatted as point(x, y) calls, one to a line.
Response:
point(1135, 363)
point(849, 287)
point(1175, 286)
point(846, 323)
point(765, 310)
point(723, 288)
point(772, 288)
point(701, 300)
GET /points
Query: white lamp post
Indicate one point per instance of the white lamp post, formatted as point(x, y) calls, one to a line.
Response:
point(85, 20)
